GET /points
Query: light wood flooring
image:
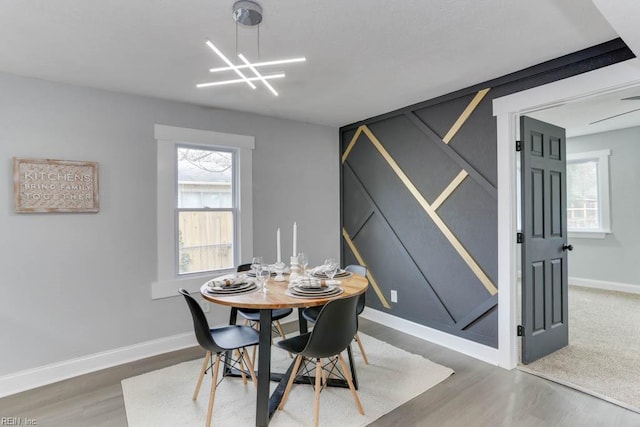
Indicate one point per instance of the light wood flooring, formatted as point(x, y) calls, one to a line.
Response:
point(478, 394)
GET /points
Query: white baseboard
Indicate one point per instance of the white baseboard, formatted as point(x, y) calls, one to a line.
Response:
point(48, 374)
point(602, 284)
point(461, 345)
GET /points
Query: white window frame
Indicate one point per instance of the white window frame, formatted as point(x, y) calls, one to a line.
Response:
point(168, 139)
point(602, 158)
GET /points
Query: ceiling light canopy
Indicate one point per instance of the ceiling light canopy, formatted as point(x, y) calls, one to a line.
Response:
point(249, 14)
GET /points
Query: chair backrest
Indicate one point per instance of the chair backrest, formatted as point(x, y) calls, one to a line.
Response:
point(362, 271)
point(243, 267)
point(334, 329)
point(200, 324)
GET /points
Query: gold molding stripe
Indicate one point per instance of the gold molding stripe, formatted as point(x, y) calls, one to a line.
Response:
point(465, 115)
point(484, 279)
point(351, 144)
point(450, 189)
point(373, 282)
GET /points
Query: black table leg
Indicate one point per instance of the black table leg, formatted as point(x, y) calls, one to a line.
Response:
point(264, 369)
point(302, 322)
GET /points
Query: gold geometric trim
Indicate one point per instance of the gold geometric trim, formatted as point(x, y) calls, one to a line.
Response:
point(465, 115)
point(450, 189)
point(351, 144)
point(373, 282)
point(484, 279)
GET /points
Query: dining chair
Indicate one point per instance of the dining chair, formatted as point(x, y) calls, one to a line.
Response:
point(252, 316)
point(311, 313)
point(334, 329)
point(221, 342)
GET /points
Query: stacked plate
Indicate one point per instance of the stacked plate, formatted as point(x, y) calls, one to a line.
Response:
point(212, 288)
point(309, 292)
point(340, 274)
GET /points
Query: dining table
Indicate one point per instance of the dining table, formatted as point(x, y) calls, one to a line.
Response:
point(277, 296)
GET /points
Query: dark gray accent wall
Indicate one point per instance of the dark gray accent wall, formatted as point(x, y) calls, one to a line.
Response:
point(404, 248)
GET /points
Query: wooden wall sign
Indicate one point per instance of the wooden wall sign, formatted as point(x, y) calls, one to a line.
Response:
point(43, 185)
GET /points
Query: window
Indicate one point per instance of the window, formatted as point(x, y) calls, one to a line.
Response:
point(588, 193)
point(205, 209)
point(204, 206)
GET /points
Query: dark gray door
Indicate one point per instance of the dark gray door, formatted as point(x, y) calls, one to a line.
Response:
point(544, 228)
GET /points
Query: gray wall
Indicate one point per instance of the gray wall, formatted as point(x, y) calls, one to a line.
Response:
point(614, 258)
point(77, 284)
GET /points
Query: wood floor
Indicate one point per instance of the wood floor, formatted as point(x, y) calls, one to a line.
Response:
point(477, 395)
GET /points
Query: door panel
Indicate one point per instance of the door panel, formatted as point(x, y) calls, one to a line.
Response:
point(544, 225)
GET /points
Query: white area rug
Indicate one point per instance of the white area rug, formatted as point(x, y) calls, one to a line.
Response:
point(393, 376)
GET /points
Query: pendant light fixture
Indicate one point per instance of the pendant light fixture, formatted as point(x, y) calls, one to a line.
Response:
point(248, 14)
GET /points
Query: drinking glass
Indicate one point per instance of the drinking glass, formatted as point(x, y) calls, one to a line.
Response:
point(256, 263)
point(264, 274)
point(330, 268)
point(303, 260)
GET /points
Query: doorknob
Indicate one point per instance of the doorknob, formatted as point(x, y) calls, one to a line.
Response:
point(567, 247)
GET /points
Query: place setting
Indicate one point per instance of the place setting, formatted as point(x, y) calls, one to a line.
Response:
point(315, 286)
point(230, 284)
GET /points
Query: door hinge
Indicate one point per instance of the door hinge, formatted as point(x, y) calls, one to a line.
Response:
point(518, 145)
point(520, 330)
point(519, 238)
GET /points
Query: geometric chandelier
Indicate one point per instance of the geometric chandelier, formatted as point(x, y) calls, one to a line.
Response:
point(247, 13)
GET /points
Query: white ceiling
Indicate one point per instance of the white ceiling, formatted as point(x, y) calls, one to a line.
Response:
point(364, 57)
point(595, 114)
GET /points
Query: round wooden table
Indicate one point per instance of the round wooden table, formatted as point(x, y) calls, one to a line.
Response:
point(275, 297)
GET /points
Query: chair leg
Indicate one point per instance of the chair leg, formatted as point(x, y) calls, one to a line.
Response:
point(281, 332)
point(292, 378)
point(205, 362)
point(347, 375)
point(316, 411)
point(244, 377)
point(212, 396)
point(247, 361)
point(364, 355)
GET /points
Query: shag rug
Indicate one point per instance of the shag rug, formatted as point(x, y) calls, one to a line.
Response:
point(603, 355)
point(393, 376)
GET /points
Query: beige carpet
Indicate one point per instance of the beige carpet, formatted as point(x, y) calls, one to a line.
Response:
point(603, 356)
point(393, 376)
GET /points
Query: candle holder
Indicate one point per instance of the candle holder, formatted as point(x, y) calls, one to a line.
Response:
point(278, 267)
point(295, 268)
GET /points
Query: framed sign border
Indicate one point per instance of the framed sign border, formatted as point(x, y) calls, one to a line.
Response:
point(17, 161)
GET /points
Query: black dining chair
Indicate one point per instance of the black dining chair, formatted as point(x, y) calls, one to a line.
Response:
point(334, 329)
point(221, 342)
point(252, 316)
point(311, 313)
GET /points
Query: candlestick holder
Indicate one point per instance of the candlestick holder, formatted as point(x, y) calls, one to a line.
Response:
point(295, 269)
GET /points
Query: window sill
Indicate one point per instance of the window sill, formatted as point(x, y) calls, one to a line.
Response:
point(588, 234)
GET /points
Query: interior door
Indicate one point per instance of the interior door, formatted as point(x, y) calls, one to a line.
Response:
point(544, 245)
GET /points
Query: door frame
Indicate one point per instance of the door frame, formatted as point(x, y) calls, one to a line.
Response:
point(507, 110)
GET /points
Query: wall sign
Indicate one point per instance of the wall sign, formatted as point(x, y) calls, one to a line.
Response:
point(43, 185)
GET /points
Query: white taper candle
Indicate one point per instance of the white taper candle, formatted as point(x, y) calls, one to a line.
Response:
point(278, 245)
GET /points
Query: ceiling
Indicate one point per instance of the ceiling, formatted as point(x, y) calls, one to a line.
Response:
point(596, 114)
point(364, 57)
